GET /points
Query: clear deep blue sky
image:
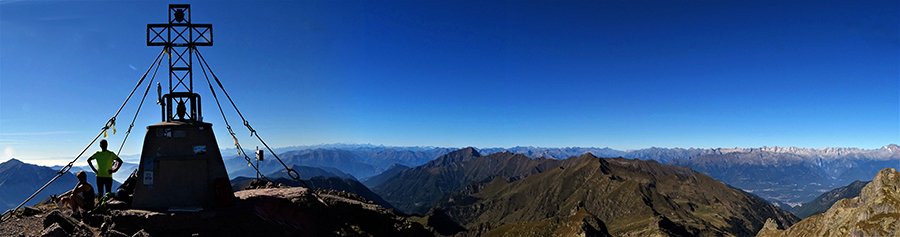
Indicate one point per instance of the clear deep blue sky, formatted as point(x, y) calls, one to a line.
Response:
point(619, 74)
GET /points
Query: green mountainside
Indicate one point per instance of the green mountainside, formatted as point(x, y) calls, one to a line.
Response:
point(609, 196)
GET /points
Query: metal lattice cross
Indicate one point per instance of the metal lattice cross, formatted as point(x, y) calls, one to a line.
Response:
point(180, 37)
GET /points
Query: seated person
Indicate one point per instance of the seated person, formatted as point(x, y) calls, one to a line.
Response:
point(81, 197)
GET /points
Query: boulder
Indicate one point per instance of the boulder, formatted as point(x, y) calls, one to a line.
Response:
point(30, 211)
point(133, 221)
point(54, 230)
point(56, 217)
point(70, 225)
point(116, 205)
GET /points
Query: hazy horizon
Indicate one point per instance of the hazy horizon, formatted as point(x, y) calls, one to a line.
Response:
point(134, 158)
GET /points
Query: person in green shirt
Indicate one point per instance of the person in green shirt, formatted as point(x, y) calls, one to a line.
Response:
point(107, 164)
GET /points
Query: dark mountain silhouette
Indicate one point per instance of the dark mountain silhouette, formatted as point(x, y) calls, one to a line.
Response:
point(378, 179)
point(18, 180)
point(608, 196)
point(415, 190)
point(826, 200)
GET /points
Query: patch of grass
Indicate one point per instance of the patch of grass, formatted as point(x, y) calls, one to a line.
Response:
point(419, 219)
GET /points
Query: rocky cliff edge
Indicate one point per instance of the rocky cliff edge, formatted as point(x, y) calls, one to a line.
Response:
point(876, 212)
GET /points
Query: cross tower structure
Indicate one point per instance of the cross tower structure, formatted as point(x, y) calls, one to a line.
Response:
point(180, 37)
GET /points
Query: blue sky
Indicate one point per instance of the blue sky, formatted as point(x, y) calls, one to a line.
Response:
point(619, 74)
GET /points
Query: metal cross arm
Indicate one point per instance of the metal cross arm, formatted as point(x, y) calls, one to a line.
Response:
point(179, 34)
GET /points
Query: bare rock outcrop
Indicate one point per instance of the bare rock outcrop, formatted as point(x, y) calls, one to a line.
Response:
point(876, 212)
point(54, 230)
point(278, 211)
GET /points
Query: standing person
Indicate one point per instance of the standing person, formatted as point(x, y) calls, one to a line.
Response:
point(107, 164)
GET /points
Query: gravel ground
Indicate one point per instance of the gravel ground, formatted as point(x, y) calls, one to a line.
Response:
point(30, 225)
point(22, 226)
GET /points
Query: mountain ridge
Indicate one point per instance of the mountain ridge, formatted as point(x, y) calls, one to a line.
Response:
point(378, 179)
point(604, 196)
point(414, 190)
point(18, 180)
point(662, 153)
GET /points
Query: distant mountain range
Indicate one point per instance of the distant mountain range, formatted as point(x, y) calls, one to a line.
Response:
point(119, 176)
point(378, 179)
point(360, 162)
point(663, 155)
point(786, 176)
point(792, 175)
point(18, 180)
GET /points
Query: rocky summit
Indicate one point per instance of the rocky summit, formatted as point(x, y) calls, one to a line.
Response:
point(876, 212)
point(274, 210)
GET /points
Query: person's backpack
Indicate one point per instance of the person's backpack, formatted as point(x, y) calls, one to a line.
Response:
point(101, 207)
point(127, 188)
point(88, 200)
